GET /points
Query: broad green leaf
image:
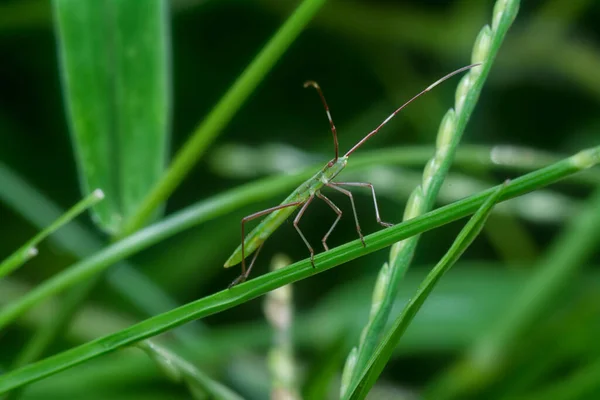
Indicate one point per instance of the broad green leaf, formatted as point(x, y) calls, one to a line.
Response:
point(116, 82)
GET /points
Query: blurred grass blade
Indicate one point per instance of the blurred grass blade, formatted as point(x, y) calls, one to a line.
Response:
point(493, 351)
point(584, 383)
point(384, 350)
point(224, 111)
point(78, 241)
point(179, 369)
point(278, 308)
point(29, 250)
point(114, 59)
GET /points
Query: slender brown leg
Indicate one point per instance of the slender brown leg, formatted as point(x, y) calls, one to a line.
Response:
point(347, 193)
point(245, 274)
point(339, 216)
point(296, 220)
point(259, 214)
point(364, 184)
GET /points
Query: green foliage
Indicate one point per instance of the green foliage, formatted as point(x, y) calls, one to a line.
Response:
point(102, 91)
point(368, 376)
point(423, 197)
point(228, 298)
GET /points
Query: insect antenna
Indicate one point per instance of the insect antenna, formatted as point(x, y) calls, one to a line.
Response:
point(434, 84)
point(333, 131)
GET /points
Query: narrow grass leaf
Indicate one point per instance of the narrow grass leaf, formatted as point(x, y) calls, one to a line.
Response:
point(80, 242)
point(179, 369)
point(486, 47)
point(29, 249)
point(384, 350)
point(114, 64)
point(223, 203)
point(258, 286)
point(490, 355)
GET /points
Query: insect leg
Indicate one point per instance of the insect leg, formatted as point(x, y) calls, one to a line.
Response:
point(347, 193)
point(339, 216)
point(245, 274)
point(364, 184)
point(250, 218)
point(297, 220)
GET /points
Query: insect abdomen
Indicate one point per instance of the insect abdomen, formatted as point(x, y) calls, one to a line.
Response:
point(261, 233)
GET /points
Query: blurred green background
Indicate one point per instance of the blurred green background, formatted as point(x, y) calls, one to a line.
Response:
point(369, 57)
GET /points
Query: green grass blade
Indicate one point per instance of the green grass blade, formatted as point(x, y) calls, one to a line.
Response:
point(114, 59)
point(29, 249)
point(80, 243)
point(370, 374)
point(422, 199)
point(488, 356)
point(179, 369)
point(221, 204)
point(256, 287)
point(224, 111)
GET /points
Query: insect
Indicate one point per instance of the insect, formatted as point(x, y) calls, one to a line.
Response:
point(304, 195)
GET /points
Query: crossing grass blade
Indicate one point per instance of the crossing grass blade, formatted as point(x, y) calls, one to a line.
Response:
point(218, 205)
point(256, 287)
point(485, 49)
point(114, 65)
point(384, 350)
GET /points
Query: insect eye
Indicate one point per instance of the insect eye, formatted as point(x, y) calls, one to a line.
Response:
point(330, 164)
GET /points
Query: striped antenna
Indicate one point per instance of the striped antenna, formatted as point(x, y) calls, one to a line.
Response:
point(434, 84)
point(333, 131)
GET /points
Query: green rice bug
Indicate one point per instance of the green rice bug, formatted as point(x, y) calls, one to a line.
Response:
point(311, 188)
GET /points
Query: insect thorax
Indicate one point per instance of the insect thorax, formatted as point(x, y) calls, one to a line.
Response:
point(331, 170)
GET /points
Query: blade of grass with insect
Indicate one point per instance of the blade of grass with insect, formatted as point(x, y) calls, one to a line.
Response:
point(114, 66)
point(485, 49)
point(258, 286)
point(304, 194)
point(29, 249)
point(384, 350)
point(223, 112)
point(221, 204)
point(485, 360)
